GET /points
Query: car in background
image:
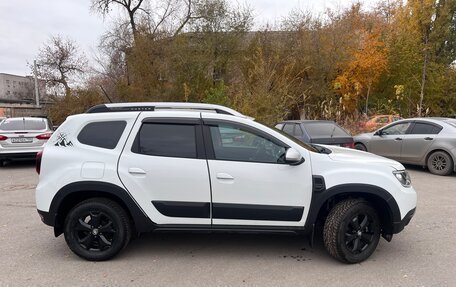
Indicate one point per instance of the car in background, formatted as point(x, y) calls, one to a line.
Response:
point(379, 121)
point(23, 137)
point(317, 132)
point(429, 142)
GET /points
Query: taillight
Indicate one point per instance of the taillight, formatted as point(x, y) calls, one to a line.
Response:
point(3, 138)
point(45, 136)
point(39, 155)
point(349, 145)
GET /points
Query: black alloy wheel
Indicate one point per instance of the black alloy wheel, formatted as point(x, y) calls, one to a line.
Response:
point(97, 229)
point(351, 231)
point(359, 233)
point(94, 231)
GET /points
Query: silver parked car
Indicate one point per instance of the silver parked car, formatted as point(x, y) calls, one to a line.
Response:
point(429, 142)
point(23, 137)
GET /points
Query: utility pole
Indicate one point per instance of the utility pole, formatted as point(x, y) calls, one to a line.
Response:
point(37, 93)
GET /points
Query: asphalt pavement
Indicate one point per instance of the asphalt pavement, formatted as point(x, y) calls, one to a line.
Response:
point(424, 254)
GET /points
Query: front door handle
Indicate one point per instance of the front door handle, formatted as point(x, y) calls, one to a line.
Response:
point(428, 138)
point(224, 176)
point(398, 139)
point(135, 170)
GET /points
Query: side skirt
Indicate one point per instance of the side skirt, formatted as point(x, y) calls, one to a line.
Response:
point(229, 229)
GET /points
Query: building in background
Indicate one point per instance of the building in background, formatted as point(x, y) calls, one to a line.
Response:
point(17, 96)
point(19, 89)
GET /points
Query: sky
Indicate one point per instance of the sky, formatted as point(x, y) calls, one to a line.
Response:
point(25, 25)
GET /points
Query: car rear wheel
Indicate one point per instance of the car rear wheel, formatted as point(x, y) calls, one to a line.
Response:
point(440, 163)
point(351, 231)
point(97, 229)
point(360, 146)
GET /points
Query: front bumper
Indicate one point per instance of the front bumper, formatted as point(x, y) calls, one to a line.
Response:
point(399, 226)
point(46, 217)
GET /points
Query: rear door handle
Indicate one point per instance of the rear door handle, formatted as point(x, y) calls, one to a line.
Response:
point(398, 139)
point(224, 176)
point(135, 170)
point(428, 138)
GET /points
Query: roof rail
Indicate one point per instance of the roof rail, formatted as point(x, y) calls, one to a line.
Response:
point(151, 106)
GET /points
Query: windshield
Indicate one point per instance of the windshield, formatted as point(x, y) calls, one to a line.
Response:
point(20, 124)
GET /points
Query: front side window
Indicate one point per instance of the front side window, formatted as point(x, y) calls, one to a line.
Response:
point(170, 140)
point(234, 143)
point(397, 129)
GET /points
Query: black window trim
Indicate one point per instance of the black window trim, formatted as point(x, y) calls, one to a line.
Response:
point(207, 123)
point(200, 149)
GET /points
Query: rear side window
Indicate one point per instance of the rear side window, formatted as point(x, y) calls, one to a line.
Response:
point(289, 128)
point(325, 129)
point(425, 129)
point(298, 131)
point(23, 124)
point(171, 140)
point(279, 126)
point(102, 134)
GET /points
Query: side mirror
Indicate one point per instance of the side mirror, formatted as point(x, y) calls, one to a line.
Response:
point(293, 157)
point(378, 133)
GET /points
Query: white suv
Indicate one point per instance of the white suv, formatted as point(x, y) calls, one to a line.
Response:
point(124, 169)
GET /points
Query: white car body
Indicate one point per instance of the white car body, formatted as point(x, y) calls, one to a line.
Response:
point(237, 194)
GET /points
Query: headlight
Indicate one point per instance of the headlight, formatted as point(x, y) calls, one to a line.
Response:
point(403, 177)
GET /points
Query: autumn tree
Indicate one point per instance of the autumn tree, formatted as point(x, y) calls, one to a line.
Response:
point(59, 62)
point(363, 71)
point(131, 7)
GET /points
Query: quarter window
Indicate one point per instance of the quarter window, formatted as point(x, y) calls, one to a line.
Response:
point(102, 134)
point(171, 140)
point(234, 143)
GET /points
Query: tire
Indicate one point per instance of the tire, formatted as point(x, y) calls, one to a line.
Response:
point(440, 163)
point(351, 231)
point(360, 146)
point(97, 229)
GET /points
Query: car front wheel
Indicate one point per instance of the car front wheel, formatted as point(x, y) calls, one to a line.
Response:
point(351, 231)
point(97, 229)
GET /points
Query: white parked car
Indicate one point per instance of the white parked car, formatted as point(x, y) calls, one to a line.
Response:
point(121, 169)
point(23, 137)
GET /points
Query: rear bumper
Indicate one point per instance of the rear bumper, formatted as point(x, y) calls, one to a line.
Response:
point(18, 155)
point(399, 226)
